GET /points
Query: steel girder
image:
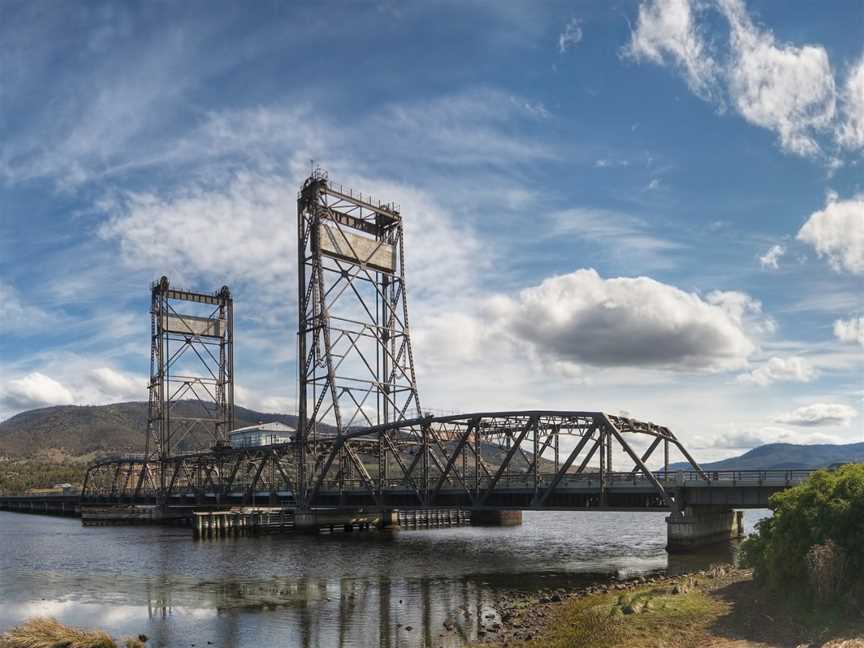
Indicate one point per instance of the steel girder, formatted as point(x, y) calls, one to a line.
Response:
point(472, 460)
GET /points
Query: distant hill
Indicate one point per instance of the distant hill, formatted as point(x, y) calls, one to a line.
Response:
point(96, 429)
point(786, 456)
point(72, 431)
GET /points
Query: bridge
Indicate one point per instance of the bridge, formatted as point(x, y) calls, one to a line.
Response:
point(363, 442)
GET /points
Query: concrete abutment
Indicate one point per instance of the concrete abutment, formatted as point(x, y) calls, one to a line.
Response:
point(700, 526)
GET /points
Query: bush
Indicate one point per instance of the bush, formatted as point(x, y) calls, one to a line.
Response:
point(812, 546)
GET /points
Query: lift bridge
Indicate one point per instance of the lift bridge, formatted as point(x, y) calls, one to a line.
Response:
point(362, 441)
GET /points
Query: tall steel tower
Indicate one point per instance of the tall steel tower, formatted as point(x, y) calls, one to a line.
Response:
point(355, 362)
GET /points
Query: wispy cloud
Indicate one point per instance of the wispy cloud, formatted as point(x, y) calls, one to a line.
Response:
point(571, 36)
point(771, 259)
point(622, 235)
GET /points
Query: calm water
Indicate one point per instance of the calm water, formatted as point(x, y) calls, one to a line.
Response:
point(360, 589)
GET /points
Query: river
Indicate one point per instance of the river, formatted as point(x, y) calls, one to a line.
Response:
point(362, 589)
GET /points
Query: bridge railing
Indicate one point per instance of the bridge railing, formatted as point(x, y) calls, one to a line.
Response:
point(593, 480)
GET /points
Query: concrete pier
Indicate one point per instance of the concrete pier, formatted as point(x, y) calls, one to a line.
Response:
point(699, 526)
point(243, 521)
point(496, 518)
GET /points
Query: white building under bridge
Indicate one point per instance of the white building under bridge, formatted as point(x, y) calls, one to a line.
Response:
point(261, 434)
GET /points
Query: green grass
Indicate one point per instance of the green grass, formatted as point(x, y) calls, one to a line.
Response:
point(637, 619)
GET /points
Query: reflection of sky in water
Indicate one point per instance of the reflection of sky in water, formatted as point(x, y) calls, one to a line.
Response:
point(356, 589)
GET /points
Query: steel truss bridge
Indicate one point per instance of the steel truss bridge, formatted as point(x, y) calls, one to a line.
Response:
point(362, 440)
point(469, 461)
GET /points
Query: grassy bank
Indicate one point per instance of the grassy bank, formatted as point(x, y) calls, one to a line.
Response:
point(720, 608)
point(48, 633)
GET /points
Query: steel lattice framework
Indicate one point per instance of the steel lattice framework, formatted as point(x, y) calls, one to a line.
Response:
point(191, 389)
point(362, 440)
point(355, 361)
point(524, 460)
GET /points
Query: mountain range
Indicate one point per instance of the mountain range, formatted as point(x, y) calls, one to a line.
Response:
point(786, 456)
point(86, 430)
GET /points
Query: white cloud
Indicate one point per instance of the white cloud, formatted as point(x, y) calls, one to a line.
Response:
point(819, 414)
point(781, 87)
point(772, 256)
point(850, 134)
point(623, 236)
point(462, 129)
point(850, 331)
point(571, 36)
point(17, 316)
point(67, 379)
point(667, 30)
point(837, 232)
point(34, 390)
point(735, 436)
point(583, 318)
point(114, 385)
point(792, 369)
point(606, 163)
point(234, 234)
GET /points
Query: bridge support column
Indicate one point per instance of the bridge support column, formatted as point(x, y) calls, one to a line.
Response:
point(496, 518)
point(699, 526)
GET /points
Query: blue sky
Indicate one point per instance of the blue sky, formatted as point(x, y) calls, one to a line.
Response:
point(654, 207)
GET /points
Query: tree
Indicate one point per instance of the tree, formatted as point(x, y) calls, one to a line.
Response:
point(813, 545)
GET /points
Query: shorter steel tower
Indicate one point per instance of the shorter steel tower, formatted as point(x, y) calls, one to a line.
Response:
point(191, 373)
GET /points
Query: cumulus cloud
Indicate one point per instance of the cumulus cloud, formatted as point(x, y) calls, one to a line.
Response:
point(114, 385)
point(837, 232)
point(786, 88)
point(34, 390)
point(667, 31)
point(69, 379)
point(791, 369)
point(735, 436)
point(771, 258)
point(583, 318)
point(782, 87)
point(819, 414)
point(850, 331)
point(571, 36)
point(851, 131)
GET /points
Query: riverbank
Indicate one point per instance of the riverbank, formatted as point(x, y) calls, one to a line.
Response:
point(48, 633)
point(719, 608)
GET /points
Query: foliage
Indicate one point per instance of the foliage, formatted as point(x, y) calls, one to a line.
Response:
point(19, 475)
point(812, 545)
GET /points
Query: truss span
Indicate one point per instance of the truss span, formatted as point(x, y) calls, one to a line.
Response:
point(514, 459)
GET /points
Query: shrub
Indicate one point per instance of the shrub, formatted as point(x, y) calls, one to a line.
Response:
point(812, 545)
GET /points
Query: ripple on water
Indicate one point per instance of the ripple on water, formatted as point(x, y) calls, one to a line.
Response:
point(357, 589)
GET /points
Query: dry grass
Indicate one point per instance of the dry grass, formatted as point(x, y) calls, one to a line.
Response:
point(49, 633)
